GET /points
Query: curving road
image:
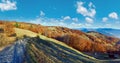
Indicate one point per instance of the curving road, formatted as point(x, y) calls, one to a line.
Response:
point(14, 53)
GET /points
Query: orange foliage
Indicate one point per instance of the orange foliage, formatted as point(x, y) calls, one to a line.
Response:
point(99, 47)
point(77, 32)
point(76, 42)
point(8, 29)
point(74, 38)
point(82, 44)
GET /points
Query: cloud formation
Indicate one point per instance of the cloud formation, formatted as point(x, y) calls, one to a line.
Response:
point(55, 22)
point(81, 9)
point(89, 20)
point(42, 13)
point(113, 15)
point(104, 19)
point(7, 5)
point(67, 18)
point(75, 19)
point(63, 21)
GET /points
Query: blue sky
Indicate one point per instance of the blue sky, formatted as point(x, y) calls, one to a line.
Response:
point(67, 13)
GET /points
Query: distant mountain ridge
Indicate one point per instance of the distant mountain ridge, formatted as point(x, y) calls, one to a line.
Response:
point(105, 31)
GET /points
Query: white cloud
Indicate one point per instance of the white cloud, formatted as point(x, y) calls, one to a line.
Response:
point(67, 18)
point(87, 25)
point(91, 5)
point(76, 25)
point(89, 20)
point(113, 15)
point(42, 13)
point(104, 19)
point(66, 21)
point(108, 25)
point(55, 22)
point(75, 19)
point(90, 12)
point(6, 5)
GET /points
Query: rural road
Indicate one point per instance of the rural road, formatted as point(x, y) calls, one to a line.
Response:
point(14, 53)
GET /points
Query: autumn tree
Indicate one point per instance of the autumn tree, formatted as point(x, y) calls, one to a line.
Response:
point(76, 42)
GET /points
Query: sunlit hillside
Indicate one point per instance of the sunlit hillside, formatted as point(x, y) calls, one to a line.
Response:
point(32, 43)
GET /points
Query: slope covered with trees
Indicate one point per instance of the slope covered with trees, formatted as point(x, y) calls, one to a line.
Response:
point(87, 42)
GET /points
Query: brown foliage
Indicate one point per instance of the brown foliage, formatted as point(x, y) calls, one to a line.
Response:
point(8, 29)
point(76, 42)
point(82, 44)
point(94, 42)
point(99, 47)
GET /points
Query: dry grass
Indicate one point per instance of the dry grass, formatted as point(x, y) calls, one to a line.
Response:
point(22, 32)
point(65, 45)
point(5, 40)
point(32, 34)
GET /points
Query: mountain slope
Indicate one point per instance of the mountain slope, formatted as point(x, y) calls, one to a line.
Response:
point(42, 49)
point(74, 38)
point(46, 50)
point(57, 52)
point(59, 44)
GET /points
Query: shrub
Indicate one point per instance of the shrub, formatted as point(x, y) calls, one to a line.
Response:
point(16, 25)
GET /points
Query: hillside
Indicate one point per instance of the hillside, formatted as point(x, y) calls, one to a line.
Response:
point(74, 38)
point(73, 45)
point(44, 50)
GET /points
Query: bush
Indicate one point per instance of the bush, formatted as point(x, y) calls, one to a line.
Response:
point(16, 25)
point(1, 30)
